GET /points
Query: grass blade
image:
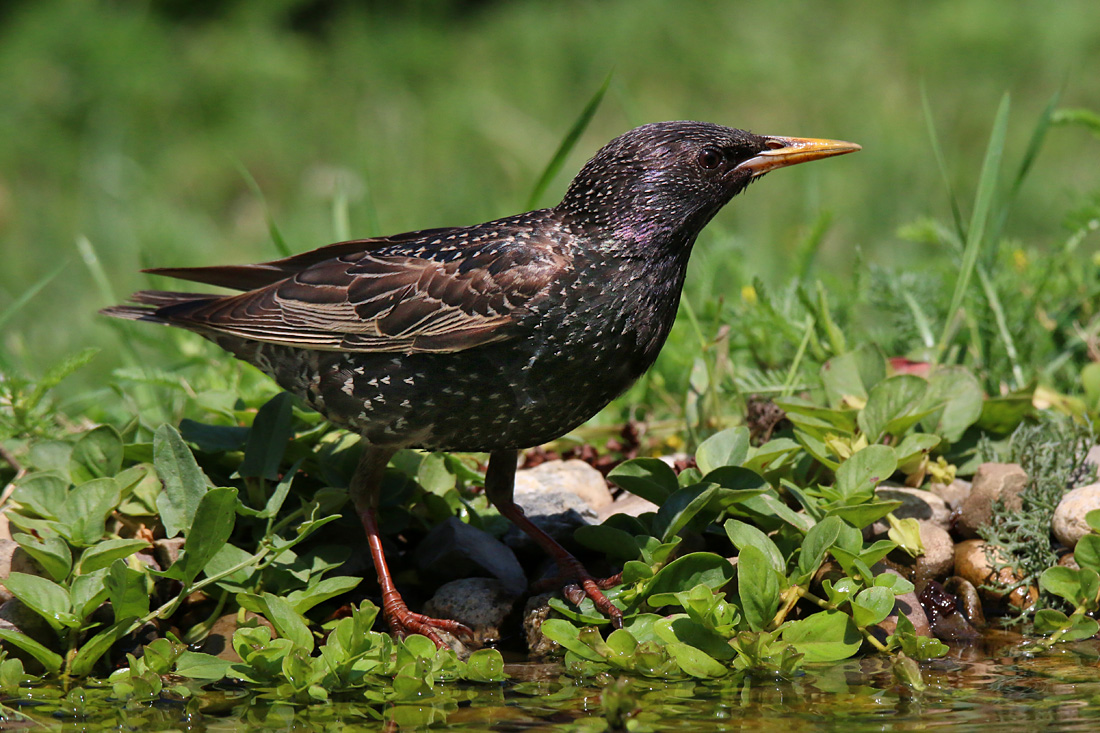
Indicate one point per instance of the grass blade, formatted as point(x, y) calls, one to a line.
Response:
point(16, 305)
point(941, 163)
point(272, 227)
point(1002, 326)
point(975, 233)
point(1034, 145)
point(567, 144)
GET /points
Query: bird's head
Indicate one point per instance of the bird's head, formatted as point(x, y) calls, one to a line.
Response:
point(664, 181)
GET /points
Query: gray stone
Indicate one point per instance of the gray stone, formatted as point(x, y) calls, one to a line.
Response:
point(573, 475)
point(938, 559)
point(456, 549)
point(480, 603)
point(628, 504)
point(557, 512)
point(993, 481)
point(166, 551)
point(1068, 523)
point(953, 494)
point(916, 504)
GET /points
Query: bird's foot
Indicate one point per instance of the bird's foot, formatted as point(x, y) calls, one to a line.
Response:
point(579, 584)
point(403, 622)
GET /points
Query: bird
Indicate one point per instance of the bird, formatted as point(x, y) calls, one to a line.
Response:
point(489, 338)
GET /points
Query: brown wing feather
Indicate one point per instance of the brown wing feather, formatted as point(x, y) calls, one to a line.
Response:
point(373, 301)
point(250, 277)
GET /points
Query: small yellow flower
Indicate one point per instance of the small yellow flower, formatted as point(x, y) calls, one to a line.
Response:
point(1020, 260)
point(748, 294)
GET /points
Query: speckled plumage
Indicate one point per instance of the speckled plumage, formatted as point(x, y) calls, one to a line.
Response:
point(492, 337)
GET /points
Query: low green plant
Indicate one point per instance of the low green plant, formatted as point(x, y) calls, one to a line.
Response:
point(1079, 587)
point(682, 615)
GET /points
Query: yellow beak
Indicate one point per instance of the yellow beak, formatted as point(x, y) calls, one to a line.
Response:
point(791, 150)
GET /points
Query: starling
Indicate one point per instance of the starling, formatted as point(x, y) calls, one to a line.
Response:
point(490, 338)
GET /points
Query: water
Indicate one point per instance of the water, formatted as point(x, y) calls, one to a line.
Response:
point(989, 685)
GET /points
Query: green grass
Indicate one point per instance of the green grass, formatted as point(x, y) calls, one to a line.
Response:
point(145, 140)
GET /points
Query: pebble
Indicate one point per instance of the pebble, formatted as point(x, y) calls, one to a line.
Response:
point(1068, 523)
point(993, 481)
point(480, 603)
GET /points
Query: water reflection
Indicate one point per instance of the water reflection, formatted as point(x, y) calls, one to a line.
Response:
point(992, 682)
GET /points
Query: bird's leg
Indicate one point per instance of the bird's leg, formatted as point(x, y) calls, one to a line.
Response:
point(366, 487)
point(500, 482)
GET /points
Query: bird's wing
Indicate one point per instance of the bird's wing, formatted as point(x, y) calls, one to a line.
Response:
point(249, 277)
point(381, 301)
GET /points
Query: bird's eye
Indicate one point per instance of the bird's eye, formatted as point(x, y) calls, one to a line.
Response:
point(710, 158)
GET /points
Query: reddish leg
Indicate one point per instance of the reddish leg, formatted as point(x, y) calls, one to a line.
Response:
point(500, 481)
point(366, 486)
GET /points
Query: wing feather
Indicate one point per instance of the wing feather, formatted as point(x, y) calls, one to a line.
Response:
point(407, 297)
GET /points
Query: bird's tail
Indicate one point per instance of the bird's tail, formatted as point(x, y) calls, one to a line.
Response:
point(158, 306)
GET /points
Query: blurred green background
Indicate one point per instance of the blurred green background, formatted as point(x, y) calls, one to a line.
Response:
point(130, 125)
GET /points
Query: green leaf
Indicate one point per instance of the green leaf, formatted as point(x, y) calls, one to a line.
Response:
point(52, 553)
point(680, 508)
point(1087, 550)
point(744, 535)
point(863, 515)
point(201, 667)
point(127, 590)
point(684, 573)
point(1063, 582)
point(86, 509)
point(435, 475)
point(43, 492)
point(485, 665)
point(97, 454)
point(267, 439)
point(303, 600)
point(859, 475)
point(773, 454)
point(955, 400)
point(851, 374)
point(213, 523)
point(649, 478)
point(680, 628)
point(287, 621)
point(608, 540)
point(817, 542)
point(888, 405)
point(50, 660)
point(565, 634)
point(694, 661)
point(1049, 620)
point(184, 482)
point(102, 554)
point(91, 651)
point(1093, 520)
point(88, 592)
point(914, 446)
point(827, 636)
point(872, 605)
point(758, 587)
point(726, 448)
point(45, 597)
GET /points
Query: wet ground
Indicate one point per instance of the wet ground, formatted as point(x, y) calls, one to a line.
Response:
point(989, 685)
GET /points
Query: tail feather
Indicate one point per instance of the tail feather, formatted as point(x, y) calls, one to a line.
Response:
point(157, 306)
